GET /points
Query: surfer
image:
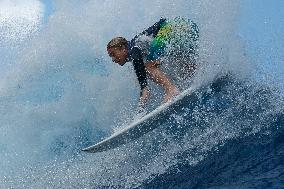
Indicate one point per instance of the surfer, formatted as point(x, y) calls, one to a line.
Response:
point(147, 49)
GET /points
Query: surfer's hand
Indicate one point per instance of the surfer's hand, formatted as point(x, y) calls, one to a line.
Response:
point(170, 95)
point(144, 97)
point(140, 110)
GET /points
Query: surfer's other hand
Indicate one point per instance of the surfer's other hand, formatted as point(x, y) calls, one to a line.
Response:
point(170, 94)
point(140, 110)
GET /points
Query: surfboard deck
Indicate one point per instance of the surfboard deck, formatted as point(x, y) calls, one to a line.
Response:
point(144, 125)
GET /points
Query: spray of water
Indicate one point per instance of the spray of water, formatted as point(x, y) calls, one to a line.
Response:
point(64, 93)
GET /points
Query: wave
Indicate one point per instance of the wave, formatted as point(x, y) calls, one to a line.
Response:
point(230, 136)
point(61, 93)
point(252, 158)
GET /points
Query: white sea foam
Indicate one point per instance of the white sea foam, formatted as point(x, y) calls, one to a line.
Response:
point(19, 19)
point(63, 91)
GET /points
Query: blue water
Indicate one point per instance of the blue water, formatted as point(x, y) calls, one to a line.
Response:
point(251, 160)
point(59, 92)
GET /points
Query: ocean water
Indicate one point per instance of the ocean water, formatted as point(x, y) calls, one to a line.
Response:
point(59, 92)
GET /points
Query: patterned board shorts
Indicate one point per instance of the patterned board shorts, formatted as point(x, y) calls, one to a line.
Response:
point(176, 36)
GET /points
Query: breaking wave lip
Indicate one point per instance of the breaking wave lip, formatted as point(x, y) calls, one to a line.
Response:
point(214, 143)
point(251, 157)
point(224, 138)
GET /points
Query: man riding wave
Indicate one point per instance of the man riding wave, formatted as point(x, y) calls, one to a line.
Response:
point(147, 50)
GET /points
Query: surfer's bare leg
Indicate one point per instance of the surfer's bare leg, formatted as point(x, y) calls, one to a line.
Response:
point(159, 77)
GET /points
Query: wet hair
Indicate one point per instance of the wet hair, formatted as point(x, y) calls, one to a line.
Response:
point(118, 42)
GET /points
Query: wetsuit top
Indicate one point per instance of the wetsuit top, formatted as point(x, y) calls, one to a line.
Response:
point(138, 49)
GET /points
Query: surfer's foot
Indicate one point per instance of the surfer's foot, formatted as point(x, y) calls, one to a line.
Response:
point(170, 94)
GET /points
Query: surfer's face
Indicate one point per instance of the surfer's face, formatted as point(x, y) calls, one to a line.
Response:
point(118, 55)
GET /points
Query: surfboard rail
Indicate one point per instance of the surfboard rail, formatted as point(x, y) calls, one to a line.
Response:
point(138, 128)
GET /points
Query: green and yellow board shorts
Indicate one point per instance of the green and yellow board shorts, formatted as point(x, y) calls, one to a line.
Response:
point(173, 35)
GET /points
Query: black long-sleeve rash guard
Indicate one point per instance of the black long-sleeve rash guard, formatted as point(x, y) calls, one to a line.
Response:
point(135, 52)
point(139, 66)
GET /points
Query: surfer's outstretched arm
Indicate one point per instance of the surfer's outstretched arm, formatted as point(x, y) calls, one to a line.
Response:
point(159, 77)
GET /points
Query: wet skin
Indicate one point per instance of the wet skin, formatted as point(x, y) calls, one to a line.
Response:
point(118, 55)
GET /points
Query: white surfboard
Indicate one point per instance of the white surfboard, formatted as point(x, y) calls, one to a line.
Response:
point(144, 125)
